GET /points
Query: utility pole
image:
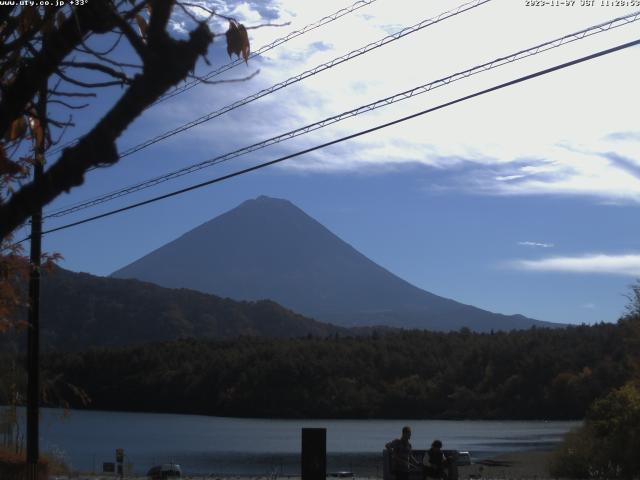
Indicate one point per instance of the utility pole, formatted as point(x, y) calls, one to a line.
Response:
point(33, 332)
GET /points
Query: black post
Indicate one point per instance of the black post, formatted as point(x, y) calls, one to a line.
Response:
point(33, 332)
point(314, 454)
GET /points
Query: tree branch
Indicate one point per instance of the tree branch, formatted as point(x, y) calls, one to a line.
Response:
point(21, 40)
point(285, 24)
point(231, 80)
point(98, 67)
point(135, 41)
point(184, 5)
point(103, 55)
point(71, 94)
point(174, 60)
point(80, 83)
point(100, 55)
point(68, 105)
point(61, 124)
point(94, 16)
point(161, 11)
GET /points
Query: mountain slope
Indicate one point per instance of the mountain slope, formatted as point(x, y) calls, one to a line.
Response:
point(269, 248)
point(81, 310)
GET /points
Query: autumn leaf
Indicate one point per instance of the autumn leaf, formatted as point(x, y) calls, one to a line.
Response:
point(238, 40)
point(27, 19)
point(17, 129)
point(142, 25)
point(37, 131)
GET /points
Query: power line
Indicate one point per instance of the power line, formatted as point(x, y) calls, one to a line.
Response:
point(602, 27)
point(296, 33)
point(308, 73)
point(238, 61)
point(349, 137)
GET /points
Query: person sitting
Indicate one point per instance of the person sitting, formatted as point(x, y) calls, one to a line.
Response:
point(435, 462)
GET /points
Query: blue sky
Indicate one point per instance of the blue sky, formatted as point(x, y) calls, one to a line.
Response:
point(521, 201)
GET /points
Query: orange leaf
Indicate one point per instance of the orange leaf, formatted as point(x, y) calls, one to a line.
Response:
point(238, 40)
point(17, 129)
point(142, 25)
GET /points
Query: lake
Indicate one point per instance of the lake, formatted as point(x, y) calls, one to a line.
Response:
point(206, 445)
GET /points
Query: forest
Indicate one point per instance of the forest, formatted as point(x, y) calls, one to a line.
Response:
point(80, 311)
point(527, 374)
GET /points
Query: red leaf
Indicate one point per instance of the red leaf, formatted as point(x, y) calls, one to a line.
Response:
point(238, 40)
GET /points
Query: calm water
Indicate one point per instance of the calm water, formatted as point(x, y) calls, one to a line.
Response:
point(204, 445)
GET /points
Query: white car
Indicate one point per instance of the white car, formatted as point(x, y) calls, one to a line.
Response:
point(166, 470)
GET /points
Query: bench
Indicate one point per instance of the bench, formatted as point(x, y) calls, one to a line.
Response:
point(456, 459)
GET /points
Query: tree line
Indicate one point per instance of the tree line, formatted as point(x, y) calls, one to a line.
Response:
point(532, 374)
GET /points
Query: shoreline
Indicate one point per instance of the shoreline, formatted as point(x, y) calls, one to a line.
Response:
point(527, 464)
point(531, 464)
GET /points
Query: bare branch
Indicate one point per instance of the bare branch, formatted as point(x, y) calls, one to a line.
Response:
point(98, 67)
point(91, 51)
point(64, 130)
point(231, 80)
point(135, 41)
point(68, 105)
point(230, 19)
point(98, 146)
point(285, 24)
point(72, 94)
point(61, 124)
point(91, 17)
point(21, 40)
point(79, 83)
point(10, 23)
point(184, 5)
point(103, 55)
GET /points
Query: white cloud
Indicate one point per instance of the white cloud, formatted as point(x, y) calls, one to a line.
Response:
point(244, 13)
point(536, 244)
point(548, 136)
point(179, 27)
point(589, 306)
point(627, 265)
point(506, 178)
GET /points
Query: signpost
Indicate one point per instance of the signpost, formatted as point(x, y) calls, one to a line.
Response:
point(119, 461)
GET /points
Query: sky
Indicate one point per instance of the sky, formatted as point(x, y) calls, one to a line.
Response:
point(524, 200)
